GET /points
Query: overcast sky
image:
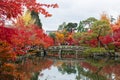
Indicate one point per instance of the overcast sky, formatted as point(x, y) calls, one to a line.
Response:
point(76, 10)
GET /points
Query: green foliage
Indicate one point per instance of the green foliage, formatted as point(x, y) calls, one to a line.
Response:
point(67, 68)
point(100, 28)
point(77, 35)
point(111, 46)
point(32, 17)
point(80, 27)
point(35, 76)
point(70, 26)
point(52, 35)
point(61, 27)
point(91, 51)
point(97, 62)
point(85, 37)
point(89, 21)
point(35, 16)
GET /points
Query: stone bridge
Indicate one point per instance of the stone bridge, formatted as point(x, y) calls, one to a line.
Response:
point(66, 49)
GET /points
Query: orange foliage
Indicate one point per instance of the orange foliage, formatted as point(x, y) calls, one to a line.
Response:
point(60, 37)
point(8, 72)
point(6, 52)
point(118, 21)
point(115, 27)
point(104, 17)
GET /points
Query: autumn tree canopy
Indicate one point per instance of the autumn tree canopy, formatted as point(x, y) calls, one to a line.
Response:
point(16, 40)
point(18, 6)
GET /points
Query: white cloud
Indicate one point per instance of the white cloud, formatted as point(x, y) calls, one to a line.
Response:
point(76, 10)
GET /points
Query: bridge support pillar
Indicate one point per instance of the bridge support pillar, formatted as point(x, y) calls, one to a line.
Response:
point(76, 54)
point(60, 54)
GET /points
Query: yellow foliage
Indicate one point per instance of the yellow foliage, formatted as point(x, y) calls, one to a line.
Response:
point(59, 37)
point(27, 18)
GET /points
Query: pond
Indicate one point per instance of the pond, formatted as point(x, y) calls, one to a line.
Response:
point(87, 69)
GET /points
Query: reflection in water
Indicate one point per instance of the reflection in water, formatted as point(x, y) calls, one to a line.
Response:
point(89, 69)
point(67, 68)
point(54, 74)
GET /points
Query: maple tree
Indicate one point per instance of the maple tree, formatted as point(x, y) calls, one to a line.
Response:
point(18, 6)
point(116, 34)
point(16, 39)
point(16, 42)
point(116, 38)
point(41, 38)
point(100, 33)
point(19, 36)
point(6, 34)
point(26, 37)
point(100, 28)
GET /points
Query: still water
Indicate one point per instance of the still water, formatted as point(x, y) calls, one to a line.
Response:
point(87, 69)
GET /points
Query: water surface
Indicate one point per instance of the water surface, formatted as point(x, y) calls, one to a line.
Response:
point(88, 69)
